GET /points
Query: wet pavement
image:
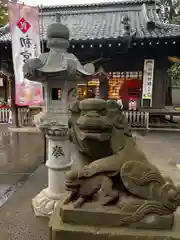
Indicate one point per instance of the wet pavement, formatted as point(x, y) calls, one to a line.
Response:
point(163, 149)
point(20, 155)
point(17, 220)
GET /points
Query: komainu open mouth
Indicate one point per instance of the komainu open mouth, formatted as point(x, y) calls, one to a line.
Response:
point(92, 129)
point(94, 134)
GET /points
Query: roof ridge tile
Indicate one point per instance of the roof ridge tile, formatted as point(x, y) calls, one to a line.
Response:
point(100, 4)
point(88, 27)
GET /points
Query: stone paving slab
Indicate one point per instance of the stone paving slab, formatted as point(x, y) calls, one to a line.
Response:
point(20, 154)
point(163, 150)
point(17, 220)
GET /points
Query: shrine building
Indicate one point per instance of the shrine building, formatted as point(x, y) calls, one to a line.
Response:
point(127, 41)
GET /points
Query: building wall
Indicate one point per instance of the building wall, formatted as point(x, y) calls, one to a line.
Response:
point(135, 62)
point(160, 82)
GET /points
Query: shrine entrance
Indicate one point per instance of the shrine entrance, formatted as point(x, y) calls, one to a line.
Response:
point(126, 86)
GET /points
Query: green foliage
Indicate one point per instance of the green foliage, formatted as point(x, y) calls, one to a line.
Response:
point(176, 20)
point(3, 12)
point(174, 74)
point(170, 10)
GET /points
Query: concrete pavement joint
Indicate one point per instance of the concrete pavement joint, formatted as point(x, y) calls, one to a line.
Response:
point(29, 173)
point(12, 188)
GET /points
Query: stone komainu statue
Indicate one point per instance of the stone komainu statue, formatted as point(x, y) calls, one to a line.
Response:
point(118, 168)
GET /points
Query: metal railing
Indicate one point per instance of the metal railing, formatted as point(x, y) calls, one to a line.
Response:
point(141, 120)
point(137, 119)
point(24, 116)
point(157, 120)
point(4, 114)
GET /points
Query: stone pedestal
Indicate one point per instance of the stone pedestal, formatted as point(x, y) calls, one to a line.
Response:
point(58, 163)
point(60, 230)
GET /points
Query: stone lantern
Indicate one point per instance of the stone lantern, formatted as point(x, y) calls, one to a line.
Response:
point(58, 70)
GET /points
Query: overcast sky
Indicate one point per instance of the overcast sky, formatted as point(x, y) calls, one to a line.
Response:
point(66, 2)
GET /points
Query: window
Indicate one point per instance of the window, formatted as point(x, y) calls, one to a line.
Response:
point(56, 93)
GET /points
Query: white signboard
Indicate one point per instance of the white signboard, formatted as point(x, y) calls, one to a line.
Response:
point(148, 78)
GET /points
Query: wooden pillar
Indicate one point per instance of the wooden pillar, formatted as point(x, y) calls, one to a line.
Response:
point(168, 96)
point(6, 85)
point(159, 84)
point(104, 85)
point(9, 87)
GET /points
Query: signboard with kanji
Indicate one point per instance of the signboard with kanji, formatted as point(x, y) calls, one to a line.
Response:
point(148, 77)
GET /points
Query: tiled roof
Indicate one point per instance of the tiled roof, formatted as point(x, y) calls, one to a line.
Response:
point(103, 21)
point(96, 5)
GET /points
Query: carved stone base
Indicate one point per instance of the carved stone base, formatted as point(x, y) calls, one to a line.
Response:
point(92, 213)
point(63, 231)
point(45, 202)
